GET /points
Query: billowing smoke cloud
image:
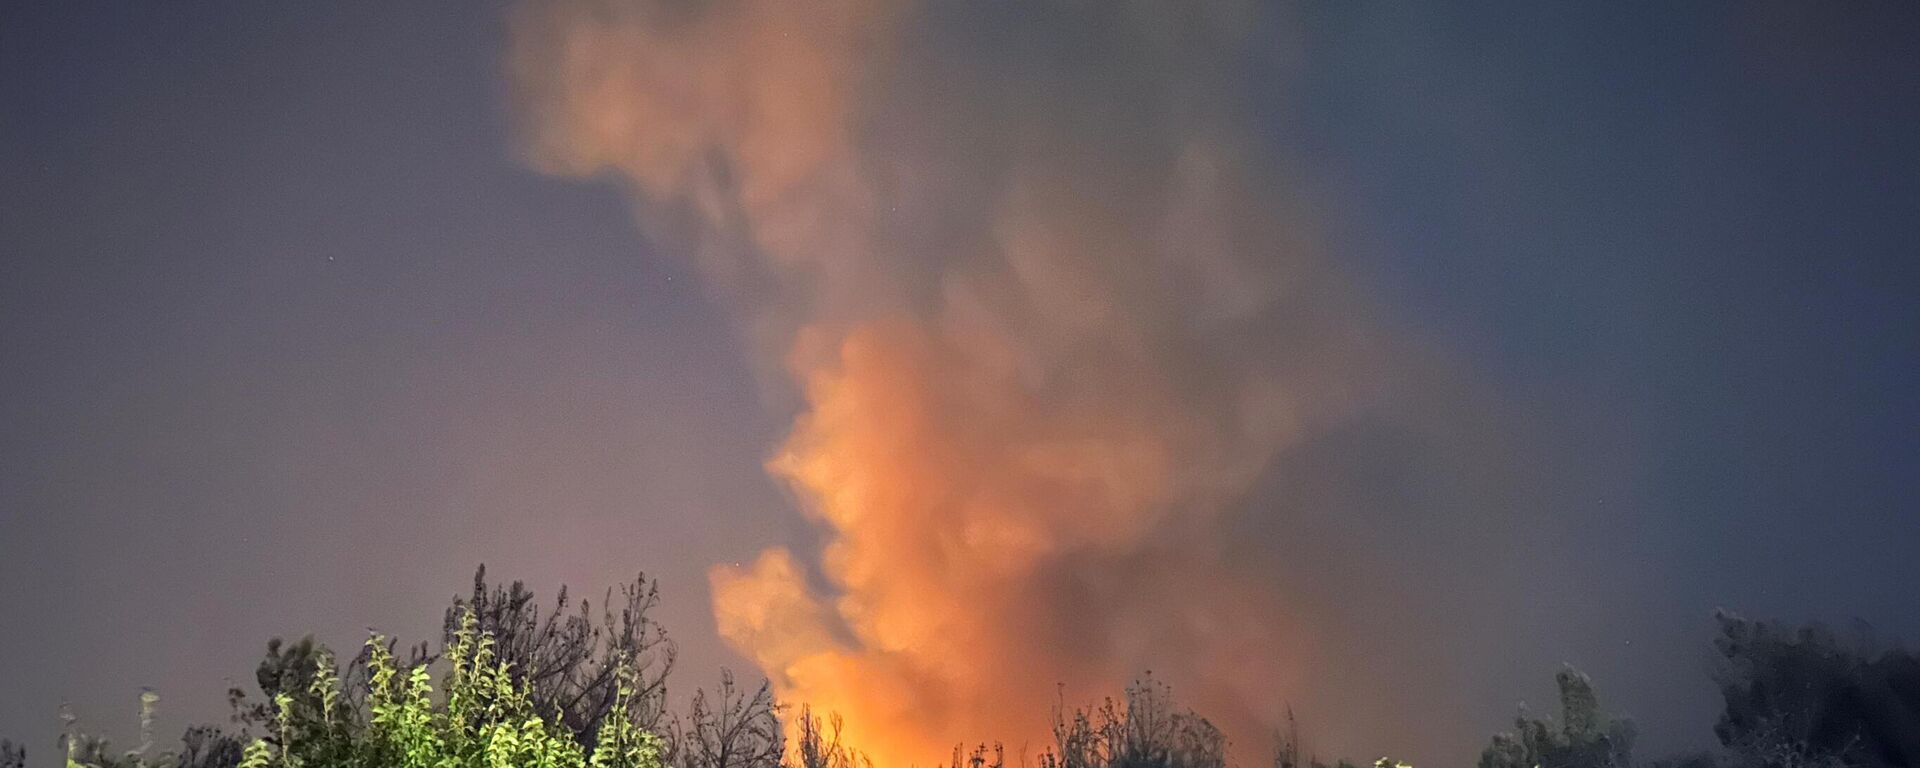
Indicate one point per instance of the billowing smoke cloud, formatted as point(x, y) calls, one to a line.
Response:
point(1052, 311)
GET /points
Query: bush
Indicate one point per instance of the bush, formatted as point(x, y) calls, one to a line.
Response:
point(1585, 737)
point(560, 689)
point(485, 720)
point(1144, 731)
point(1800, 697)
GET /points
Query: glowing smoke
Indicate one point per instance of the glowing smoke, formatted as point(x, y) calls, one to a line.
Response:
point(1051, 313)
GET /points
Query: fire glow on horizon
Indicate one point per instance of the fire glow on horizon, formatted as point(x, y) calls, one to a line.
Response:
point(1050, 311)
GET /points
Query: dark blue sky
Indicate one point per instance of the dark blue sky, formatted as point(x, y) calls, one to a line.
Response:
point(290, 339)
point(1691, 232)
point(1686, 236)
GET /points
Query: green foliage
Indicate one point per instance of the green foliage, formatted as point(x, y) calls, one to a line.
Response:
point(523, 688)
point(257, 755)
point(485, 719)
point(567, 659)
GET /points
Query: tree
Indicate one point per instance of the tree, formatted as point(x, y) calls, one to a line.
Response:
point(486, 719)
point(201, 746)
point(209, 747)
point(819, 744)
point(1145, 731)
point(981, 756)
point(1798, 697)
point(1584, 738)
point(732, 729)
point(290, 670)
point(565, 659)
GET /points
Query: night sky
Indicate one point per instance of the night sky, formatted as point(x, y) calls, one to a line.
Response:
point(293, 335)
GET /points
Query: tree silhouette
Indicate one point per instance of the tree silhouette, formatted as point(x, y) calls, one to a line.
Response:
point(566, 659)
point(1795, 697)
point(1145, 730)
point(1585, 737)
point(731, 729)
point(819, 744)
point(1802, 698)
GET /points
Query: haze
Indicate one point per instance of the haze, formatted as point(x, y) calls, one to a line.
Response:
point(1362, 359)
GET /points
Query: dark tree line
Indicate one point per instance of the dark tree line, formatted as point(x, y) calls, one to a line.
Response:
point(566, 656)
point(1795, 697)
point(1804, 697)
point(1145, 730)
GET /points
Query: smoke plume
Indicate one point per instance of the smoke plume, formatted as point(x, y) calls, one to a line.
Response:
point(1052, 309)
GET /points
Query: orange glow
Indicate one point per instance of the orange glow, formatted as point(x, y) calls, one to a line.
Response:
point(959, 504)
point(1029, 402)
